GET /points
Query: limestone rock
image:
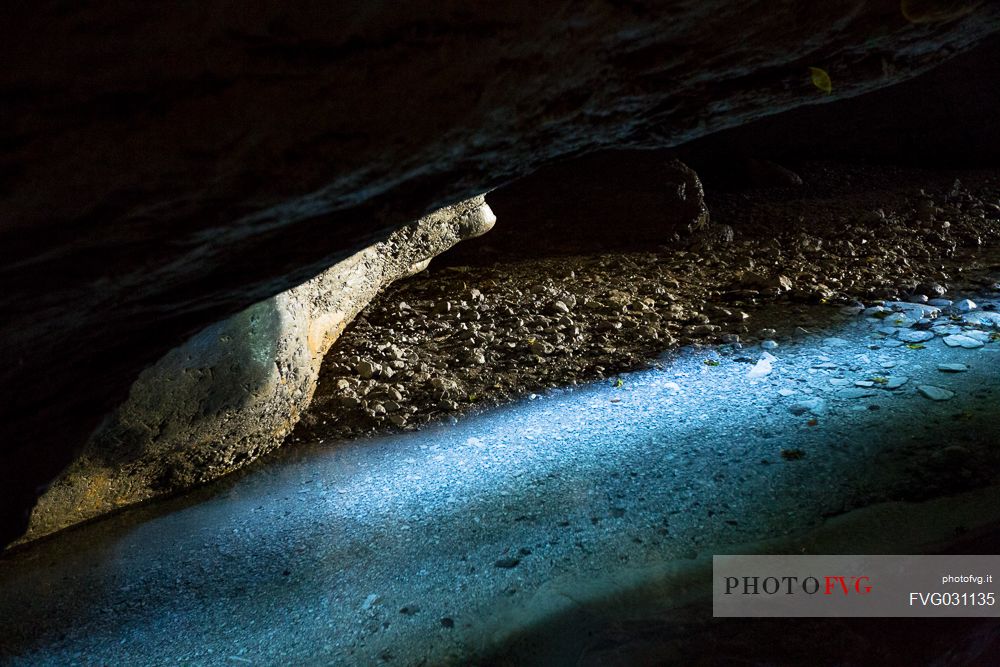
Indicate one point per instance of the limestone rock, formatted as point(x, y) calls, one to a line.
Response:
point(236, 389)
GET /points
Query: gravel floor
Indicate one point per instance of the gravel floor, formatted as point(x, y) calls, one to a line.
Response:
point(406, 549)
point(525, 447)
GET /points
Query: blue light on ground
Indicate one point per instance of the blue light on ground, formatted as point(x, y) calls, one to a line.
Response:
point(348, 553)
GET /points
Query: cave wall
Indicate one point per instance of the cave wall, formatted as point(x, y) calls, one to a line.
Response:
point(166, 166)
point(944, 117)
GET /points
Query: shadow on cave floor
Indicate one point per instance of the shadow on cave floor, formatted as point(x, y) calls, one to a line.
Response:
point(569, 529)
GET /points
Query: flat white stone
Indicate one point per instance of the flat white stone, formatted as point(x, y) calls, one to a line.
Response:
point(914, 310)
point(952, 368)
point(958, 340)
point(981, 336)
point(987, 318)
point(946, 329)
point(895, 381)
point(915, 336)
point(856, 392)
point(934, 393)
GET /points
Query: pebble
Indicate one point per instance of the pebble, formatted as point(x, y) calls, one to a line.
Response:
point(914, 336)
point(895, 381)
point(856, 392)
point(952, 368)
point(965, 306)
point(946, 329)
point(934, 393)
point(983, 318)
point(900, 320)
point(768, 345)
point(762, 368)
point(958, 340)
point(366, 369)
point(914, 310)
point(814, 405)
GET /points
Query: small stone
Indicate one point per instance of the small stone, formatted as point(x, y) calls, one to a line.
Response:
point(701, 329)
point(934, 393)
point(899, 320)
point(952, 368)
point(895, 381)
point(768, 345)
point(958, 340)
point(813, 405)
point(983, 318)
point(914, 310)
point(931, 290)
point(975, 334)
point(856, 392)
point(507, 563)
point(965, 306)
point(349, 402)
point(540, 348)
point(762, 368)
point(914, 336)
point(559, 307)
point(940, 303)
point(366, 369)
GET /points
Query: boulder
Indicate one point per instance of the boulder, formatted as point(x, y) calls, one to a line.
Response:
point(233, 391)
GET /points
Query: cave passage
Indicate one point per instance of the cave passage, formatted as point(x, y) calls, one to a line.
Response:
point(447, 544)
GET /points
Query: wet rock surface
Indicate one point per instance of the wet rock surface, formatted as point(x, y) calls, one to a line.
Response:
point(148, 190)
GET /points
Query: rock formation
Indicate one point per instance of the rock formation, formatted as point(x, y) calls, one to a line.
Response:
point(235, 390)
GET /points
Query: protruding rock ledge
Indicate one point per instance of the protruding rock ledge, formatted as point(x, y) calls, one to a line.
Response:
point(235, 390)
